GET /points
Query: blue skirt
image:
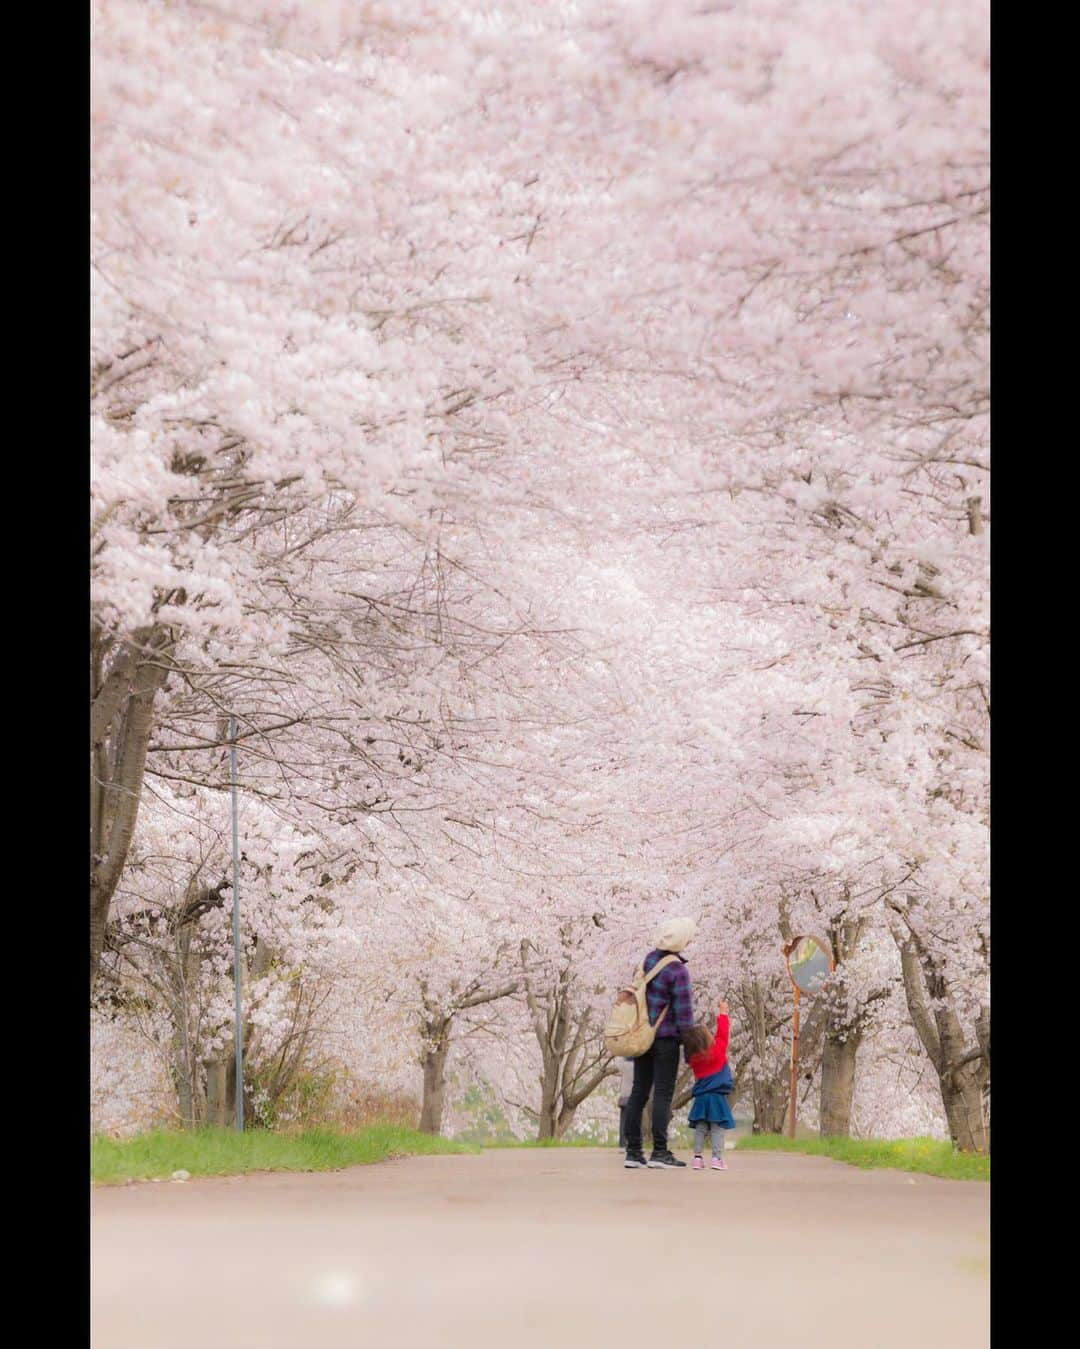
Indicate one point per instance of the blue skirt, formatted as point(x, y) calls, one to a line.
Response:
point(710, 1106)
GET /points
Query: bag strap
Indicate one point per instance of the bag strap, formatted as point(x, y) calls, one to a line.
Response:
point(661, 964)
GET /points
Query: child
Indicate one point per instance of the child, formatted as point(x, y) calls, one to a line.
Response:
point(707, 1056)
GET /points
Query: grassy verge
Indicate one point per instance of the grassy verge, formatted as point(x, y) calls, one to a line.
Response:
point(545, 1143)
point(929, 1156)
point(224, 1152)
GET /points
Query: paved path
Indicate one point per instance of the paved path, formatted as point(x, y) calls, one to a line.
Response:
point(544, 1250)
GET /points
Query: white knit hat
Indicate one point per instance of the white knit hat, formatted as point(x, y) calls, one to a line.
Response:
point(674, 933)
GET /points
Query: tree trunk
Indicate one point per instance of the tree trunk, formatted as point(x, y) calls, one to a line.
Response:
point(843, 1032)
point(566, 1083)
point(768, 1076)
point(770, 1105)
point(963, 1102)
point(181, 975)
point(838, 1082)
point(549, 1092)
point(963, 1075)
point(436, 1024)
point(217, 1097)
point(573, 1060)
point(549, 1012)
point(563, 1121)
point(982, 1032)
point(768, 1093)
point(684, 1088)
point(122, 715)
point(184, 1094)
point(250, 1121)
point(434, 1063)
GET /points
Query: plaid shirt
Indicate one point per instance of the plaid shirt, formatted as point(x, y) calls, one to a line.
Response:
point(670, 988)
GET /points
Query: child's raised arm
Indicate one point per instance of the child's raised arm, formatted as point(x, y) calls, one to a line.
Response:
point(723, 1029)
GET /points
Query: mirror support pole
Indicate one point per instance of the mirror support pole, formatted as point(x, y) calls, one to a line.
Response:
point(794, 1066)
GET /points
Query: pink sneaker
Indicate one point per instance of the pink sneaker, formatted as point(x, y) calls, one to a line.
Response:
point(699, 1164)
point(718, 1164)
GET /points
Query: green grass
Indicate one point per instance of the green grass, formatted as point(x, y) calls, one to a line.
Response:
point(224, 1152)
point(546, 1143)
point(929, 1156)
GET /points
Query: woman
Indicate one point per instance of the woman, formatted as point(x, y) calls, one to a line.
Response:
point(657, 1069)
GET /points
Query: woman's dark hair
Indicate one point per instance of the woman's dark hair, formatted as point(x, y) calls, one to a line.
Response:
point(697, 1040)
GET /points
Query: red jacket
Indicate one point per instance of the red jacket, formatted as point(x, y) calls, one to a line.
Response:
point(713, 1060)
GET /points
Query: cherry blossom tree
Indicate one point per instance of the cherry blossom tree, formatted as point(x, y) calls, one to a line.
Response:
point(558, 436)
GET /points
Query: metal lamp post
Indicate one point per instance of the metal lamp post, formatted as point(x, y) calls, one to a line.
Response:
point(239, 1027)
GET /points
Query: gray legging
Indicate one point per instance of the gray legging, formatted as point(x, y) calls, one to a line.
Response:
point(717, 1138)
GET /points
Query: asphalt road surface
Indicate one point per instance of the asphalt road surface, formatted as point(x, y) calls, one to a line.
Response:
point(532, 1249)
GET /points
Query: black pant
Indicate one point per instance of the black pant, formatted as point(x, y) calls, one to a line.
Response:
point(655, 1071)
point(622, 1126)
